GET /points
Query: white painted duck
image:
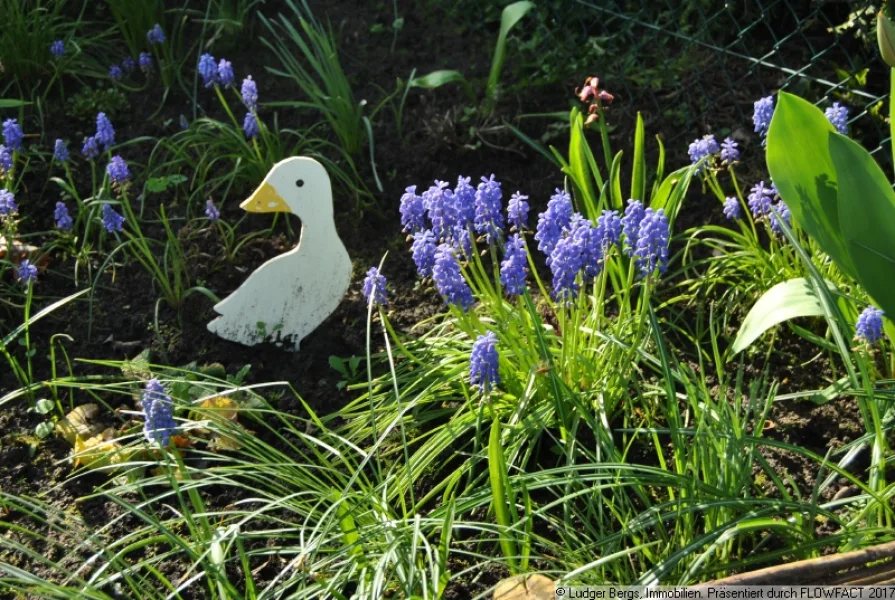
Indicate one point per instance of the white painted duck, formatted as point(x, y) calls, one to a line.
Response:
point(295, 292)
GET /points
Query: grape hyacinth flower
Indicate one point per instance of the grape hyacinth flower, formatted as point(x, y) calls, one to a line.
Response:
point(90, 149)
point(211, 211)
point(590, 242)
point(374, 288)
point(57, 48)
point(105, 133)
point(517, 211)
point(249, 93)
point(250, 126)
point(461, 240)
point(730, 152)
point(12, 135)
point(60, 151)
point(552, 222)
point(158, 411)
point(463, 199)
point(115, 73)
point(761, 199)
point(440, 209)
point(155, 35)
point(5, 160)
point(26, 273)
point(761, 117)
point(208, 70)
point(732, 209)
point(112, 221)
point(488, 216)
point(652, 243)
point(634, 214)
point(837, 115)
point(703, 148)
point(483, 362)
point(784, 213)
point(7, 203)
point(128, 64)
point(63, 219)
point(565, 262)
point(870, 325)
point(423, 252)
point(449, 279)
point(609, 229)
point(225, 72)
point(118, 172)
point(145, 62)
point(514, 266)
point(413, 210)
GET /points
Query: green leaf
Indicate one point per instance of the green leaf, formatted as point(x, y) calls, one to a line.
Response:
point(160, 184)
point(802, 170)
point(338, 364)
point(638, 173)
point(12, 103)
point(44, 406)
point(497, 467)
point(579, 168)
point(867, 218)
point(511, 15)
point(784, 301)
point(44, 429)
point(436, 79)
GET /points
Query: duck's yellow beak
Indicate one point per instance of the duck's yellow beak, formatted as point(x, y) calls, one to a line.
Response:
point(265, 199)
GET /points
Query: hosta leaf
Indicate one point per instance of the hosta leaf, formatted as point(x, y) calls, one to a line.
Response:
point(867, 217)
point(784, 301)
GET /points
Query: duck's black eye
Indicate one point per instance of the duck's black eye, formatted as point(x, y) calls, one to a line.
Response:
point(299, 183)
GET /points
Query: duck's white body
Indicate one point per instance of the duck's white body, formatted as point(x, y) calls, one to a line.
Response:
point(289, 296)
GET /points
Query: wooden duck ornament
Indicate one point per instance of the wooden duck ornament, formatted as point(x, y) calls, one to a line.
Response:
point(290, 295)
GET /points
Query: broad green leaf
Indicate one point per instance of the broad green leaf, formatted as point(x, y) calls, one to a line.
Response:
point(784, 301)
point(867, 218)
point(497, 467)
point(436, 79)
point(511, 15)
point(12, 103)
point(615, 182)
point(638, 172)
point(160, 184)
point(802, 170)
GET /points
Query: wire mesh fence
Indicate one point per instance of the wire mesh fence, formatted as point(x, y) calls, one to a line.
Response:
point(698, 65)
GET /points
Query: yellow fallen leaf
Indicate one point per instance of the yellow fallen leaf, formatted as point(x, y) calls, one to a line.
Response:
point(101, 451)
point(77, 423)
point(525, 587)
point(220, 407)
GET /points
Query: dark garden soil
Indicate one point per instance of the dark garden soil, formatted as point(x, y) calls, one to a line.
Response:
point(120, 321)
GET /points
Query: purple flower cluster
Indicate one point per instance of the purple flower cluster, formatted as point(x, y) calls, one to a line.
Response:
point(837, 115)
point(249, 93)
point(423, 251)
point(105, 133)
point(63, 219)
point(413, 210)
point(90, 149)
point(732, 208)
point(250, 126)
point(782, 210)
point(730, 152)
point(652, 243)
point(374, 288)
point(7, 203)
point(26, 273)
point(117, 171)
point(514, 266)
point(870, 325)
point(208, 70)
point(552, 221)
point(449, 279)
point(225, 73)
point(115, 73)
point(438, 202)
point(761, 199)
point(128, 65)
point(5, 160)
point(57, 48)
point(155, 35)
point(761, 117)
point(517, 211)
point(631, 224)
point(211, 211)
point(60, 152)
point(112, 221)
point(702, 149)
point(484, 362)
point(13, 135)
point(158, 412)
point(488, 215)
point(566, 260)
point(145, 62)
point(464, 199)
